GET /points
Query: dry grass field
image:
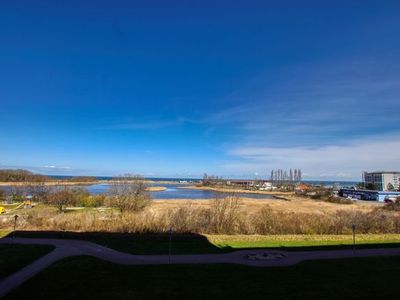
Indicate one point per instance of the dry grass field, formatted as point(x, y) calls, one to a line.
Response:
point(234, 190)
point(231, 215)
point(293, 204)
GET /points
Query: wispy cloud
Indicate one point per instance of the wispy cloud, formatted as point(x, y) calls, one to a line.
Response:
point(313, 103)
point(333, 121)
point(145, 125)
point(344, 161)
point(55, 168)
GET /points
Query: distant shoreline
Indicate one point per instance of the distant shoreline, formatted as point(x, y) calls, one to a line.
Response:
point(235, 190)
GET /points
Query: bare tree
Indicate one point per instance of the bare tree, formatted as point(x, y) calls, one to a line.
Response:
point(272, 178)
point(60, 196)
point(224, 213)
point(299, 175)
point(205, 179)
point(2, 195)
point(38, 189)
point(286, 179)
point(17, 193)
point(129, 193)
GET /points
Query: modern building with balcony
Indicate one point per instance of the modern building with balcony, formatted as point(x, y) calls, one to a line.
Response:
point(382, 180)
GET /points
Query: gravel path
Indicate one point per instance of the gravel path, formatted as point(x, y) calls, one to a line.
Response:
point(256, 257)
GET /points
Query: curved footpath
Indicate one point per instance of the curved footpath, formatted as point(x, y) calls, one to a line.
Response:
point(67, 248)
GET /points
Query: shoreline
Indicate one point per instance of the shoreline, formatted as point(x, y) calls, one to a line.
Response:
point(156, 188)
point(235, 190)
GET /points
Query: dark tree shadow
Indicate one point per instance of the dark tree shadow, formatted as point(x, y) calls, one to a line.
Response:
point(159, 242)
point(147, 243)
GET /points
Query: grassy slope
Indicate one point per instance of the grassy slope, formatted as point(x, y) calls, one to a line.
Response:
point(302, 241)
point(369, 278)
point(10, 206)
point(181, 244)
point(14, 257)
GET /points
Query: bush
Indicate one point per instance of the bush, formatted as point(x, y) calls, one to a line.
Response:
point(395, 205)
point(339, 200)
point(60, 197)
point(92, 201)
point(224, 214)
point(129, 193)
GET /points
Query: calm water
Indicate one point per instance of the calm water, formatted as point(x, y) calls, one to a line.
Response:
point(174, 191)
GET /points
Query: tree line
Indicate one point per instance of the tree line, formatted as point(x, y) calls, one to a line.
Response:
point(126, 193)
point(212, 180)
point(281, 177)
point(20, 176)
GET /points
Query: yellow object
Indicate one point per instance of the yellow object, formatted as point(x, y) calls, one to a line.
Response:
point(28, 203)
point(2, 210)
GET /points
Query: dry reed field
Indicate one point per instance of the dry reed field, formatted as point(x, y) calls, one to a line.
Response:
point(230, 215)
point(292, 203)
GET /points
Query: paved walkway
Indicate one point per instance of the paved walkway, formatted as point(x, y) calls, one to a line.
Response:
point(263, 258)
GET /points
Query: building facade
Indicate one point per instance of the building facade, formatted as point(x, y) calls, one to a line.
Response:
point(369, 195)
point(382, 181)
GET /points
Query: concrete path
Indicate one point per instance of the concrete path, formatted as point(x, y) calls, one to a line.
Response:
point(261, 258)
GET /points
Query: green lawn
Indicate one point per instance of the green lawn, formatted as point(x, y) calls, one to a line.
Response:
point(14, 257)
point(89, 278)
point(304, 242)
point(196, 243)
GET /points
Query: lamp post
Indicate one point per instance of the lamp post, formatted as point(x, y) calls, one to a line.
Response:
point(15, 225)
point(354, 238)
point(170, 246)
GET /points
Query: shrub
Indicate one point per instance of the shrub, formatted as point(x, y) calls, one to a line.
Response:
point(224, 214)
point(129, 193)
point(61, 196)
point(395, 205)
point(339, 200)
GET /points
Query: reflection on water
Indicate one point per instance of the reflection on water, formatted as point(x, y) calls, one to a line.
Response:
point(175, 191)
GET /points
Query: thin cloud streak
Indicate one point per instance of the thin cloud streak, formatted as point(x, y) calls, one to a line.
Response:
point(335, 161)
point(316, 105)
point(149, 125)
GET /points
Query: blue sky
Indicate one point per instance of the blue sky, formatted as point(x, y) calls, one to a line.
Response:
point(232, 88)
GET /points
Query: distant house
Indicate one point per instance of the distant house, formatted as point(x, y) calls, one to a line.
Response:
point(240, 183)
point(302, 187)
point(265, 186)
point(250, 184)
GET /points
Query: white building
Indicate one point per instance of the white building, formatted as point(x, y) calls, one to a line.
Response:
point(382, 180)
